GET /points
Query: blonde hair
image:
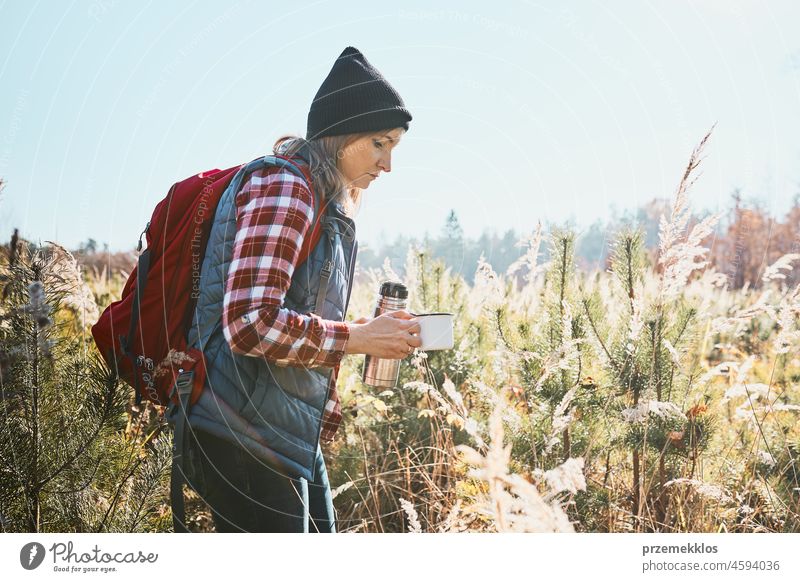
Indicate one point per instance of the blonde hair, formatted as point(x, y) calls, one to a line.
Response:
point(324, 153)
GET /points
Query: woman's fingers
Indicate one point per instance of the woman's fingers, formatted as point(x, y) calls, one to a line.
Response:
point(400, 314)
point(394, 334)
point(415, 328)
point(410, 323)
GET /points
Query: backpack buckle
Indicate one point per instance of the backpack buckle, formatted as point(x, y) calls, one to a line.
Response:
point(183, 385)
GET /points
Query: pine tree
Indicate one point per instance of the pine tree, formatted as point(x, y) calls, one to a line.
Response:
point(67, 462)
point(451, 243)
point(643, 351)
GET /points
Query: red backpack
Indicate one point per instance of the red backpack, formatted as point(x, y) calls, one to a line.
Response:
point(143, 335)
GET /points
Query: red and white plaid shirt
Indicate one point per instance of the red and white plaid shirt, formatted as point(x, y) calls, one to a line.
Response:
point(274, 212)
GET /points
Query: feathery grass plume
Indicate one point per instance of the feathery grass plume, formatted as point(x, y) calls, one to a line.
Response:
point(663, 410)
point(743, 315)
point(512, 503)
point(39, 311)
point(670, 231)
point(453, 410)
point(707, 291)
point(77, 296)
point(453, 521)
point(786, 319)
point(673, 351)
point(753, 390)
point(723, 369)
point(412, 270)
point(529, 260)
point(341, 489)
point(706, 490)
point(413, 518)
point(679, 255)
point(773, 271)
point(567, 477)
point(105, 284)
point(488, 291)
point(562, 418)
point(460, 410)
point(742, 370)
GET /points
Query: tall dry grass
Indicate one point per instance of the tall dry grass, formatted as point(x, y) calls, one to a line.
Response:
point(669, 399)
point(649, 397)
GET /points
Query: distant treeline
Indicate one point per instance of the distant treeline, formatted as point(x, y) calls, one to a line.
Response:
point(747, 239)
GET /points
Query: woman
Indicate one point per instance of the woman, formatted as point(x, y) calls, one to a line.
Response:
point(254, 452)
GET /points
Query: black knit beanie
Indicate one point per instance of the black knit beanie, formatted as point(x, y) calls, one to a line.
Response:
point(355, 97)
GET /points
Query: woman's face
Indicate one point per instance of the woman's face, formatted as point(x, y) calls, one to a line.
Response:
point(363, 159)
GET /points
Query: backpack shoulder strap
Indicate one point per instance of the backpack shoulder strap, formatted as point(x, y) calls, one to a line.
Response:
point(314, 233)
point(308, 243)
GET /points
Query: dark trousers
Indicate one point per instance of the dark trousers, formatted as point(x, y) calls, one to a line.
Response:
point(246, 494)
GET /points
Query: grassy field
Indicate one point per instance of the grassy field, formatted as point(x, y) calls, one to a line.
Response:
point(648, 397)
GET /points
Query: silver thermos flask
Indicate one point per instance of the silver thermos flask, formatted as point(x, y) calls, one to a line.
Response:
point(382, 372)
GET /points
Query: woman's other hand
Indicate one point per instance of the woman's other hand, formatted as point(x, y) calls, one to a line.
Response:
point(392, 335)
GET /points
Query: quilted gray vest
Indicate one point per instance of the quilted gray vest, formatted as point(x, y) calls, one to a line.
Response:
point(273, 411)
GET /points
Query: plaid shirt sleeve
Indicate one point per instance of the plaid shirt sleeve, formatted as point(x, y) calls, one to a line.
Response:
point(274, 211)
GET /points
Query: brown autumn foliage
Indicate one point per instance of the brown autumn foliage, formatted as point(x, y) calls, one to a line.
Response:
point(752, 241)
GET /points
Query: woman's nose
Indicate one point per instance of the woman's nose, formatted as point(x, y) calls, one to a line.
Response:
point(385, 163)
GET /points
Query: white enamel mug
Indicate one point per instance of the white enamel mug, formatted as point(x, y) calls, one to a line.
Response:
point(436, 330)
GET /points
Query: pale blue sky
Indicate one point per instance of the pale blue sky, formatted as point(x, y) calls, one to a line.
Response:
point(523, 111)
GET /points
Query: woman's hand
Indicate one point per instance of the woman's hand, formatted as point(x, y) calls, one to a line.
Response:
point(393, 335)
